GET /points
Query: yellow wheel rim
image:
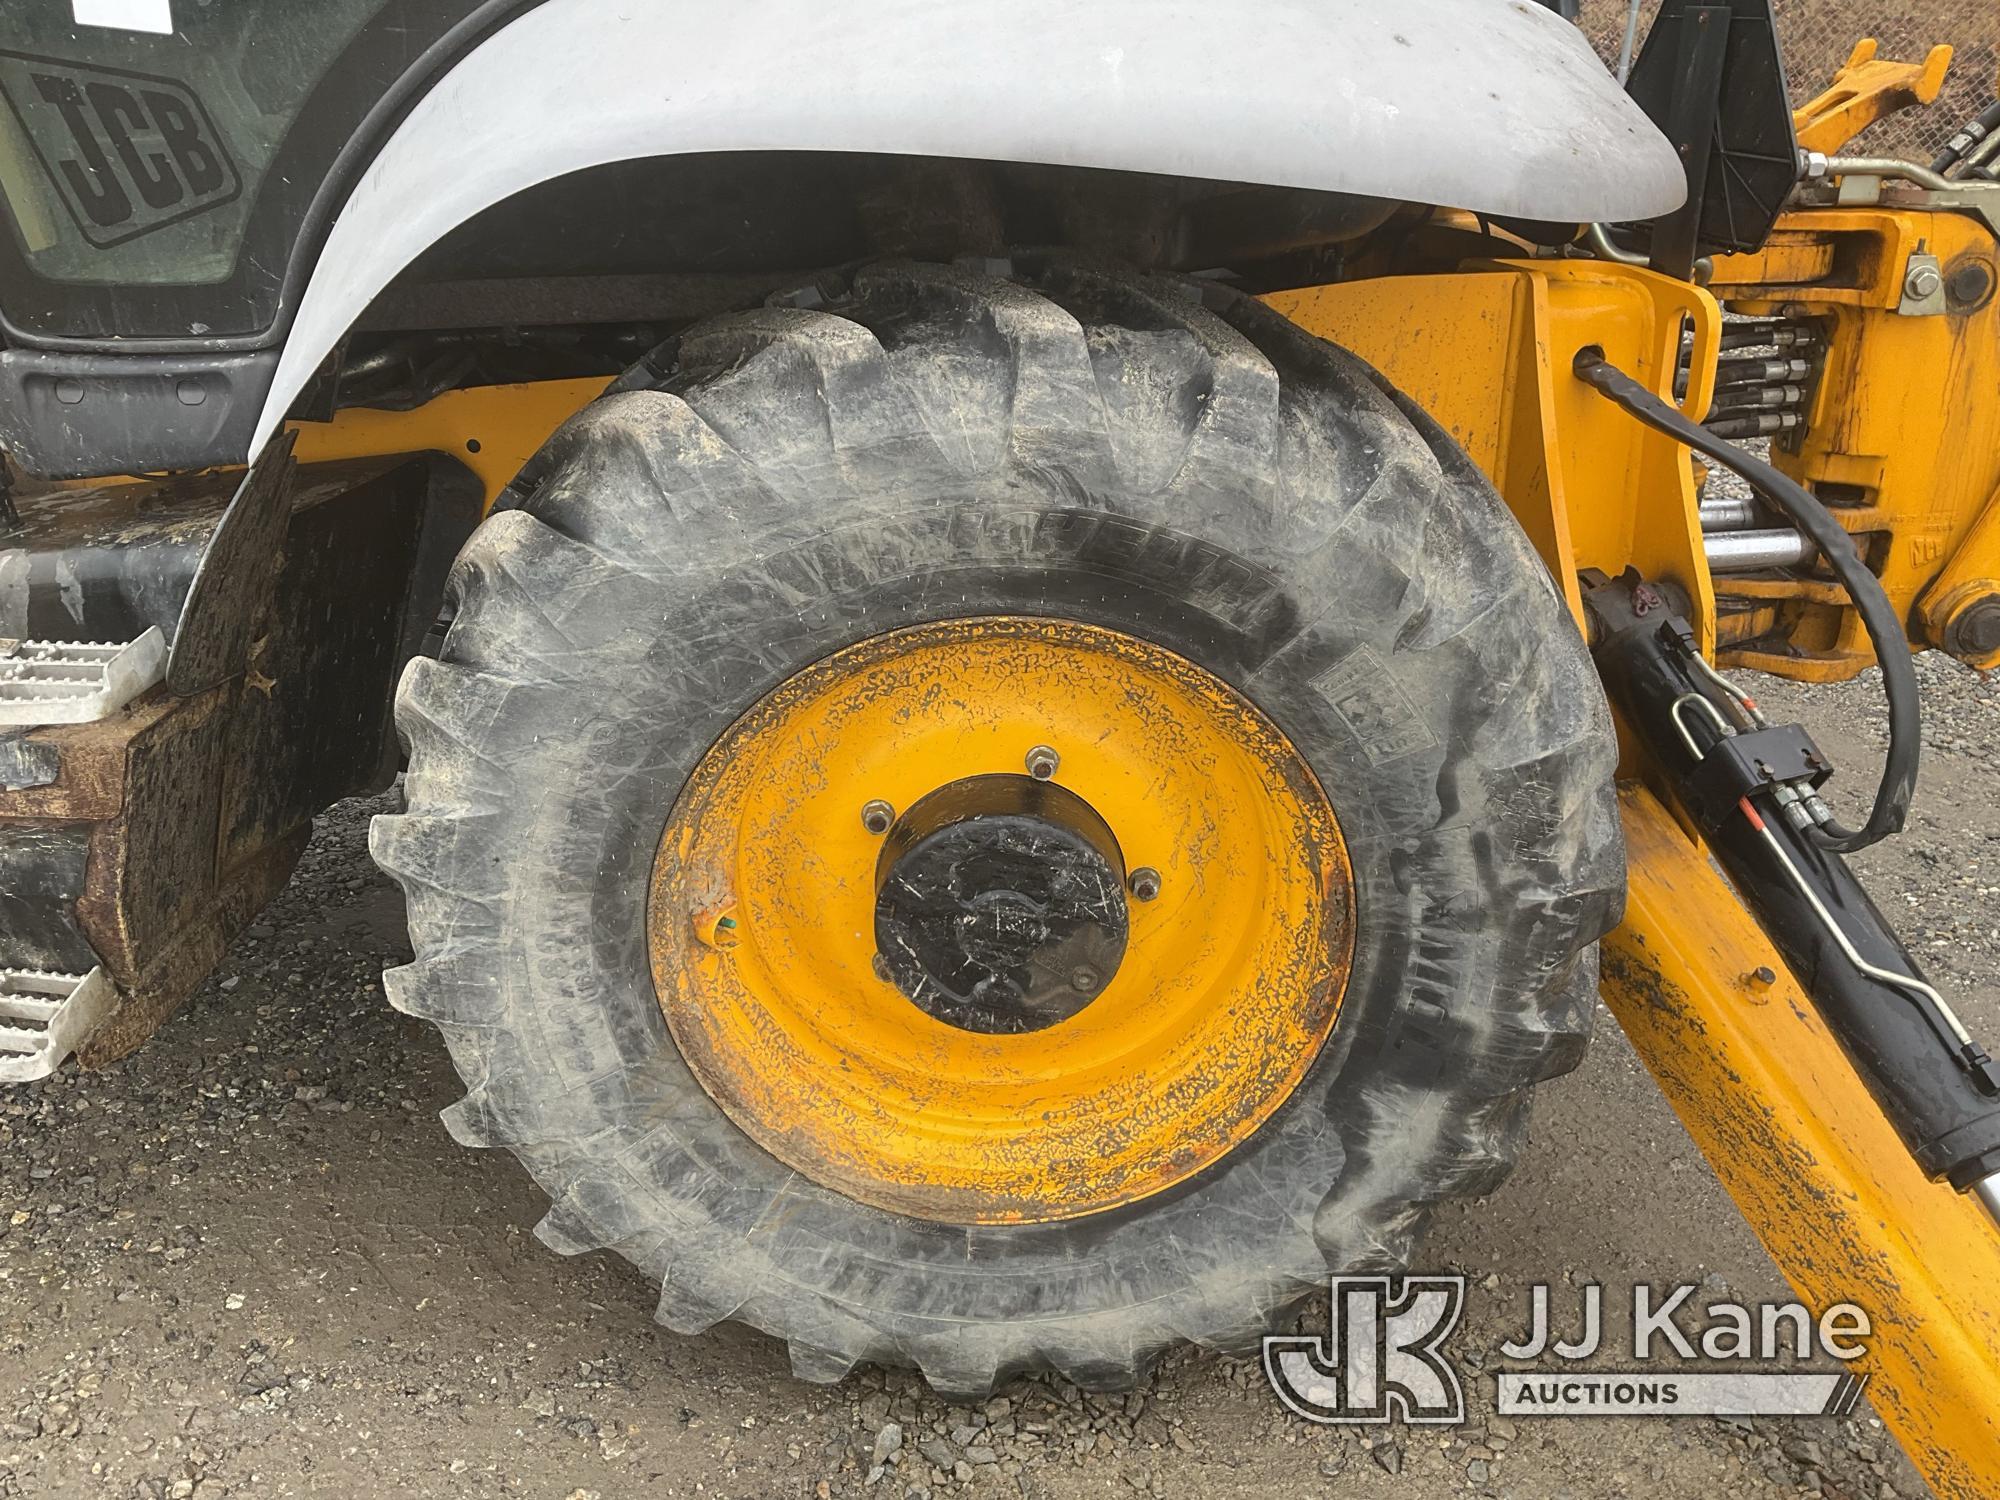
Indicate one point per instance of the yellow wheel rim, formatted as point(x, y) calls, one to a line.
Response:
point(762, 937)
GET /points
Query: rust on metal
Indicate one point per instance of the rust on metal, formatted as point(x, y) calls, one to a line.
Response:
point(143, 786)
point(147, 839)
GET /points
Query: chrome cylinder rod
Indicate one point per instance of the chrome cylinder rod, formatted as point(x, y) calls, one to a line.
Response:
point(1731, 513)
point(1748, 551)
point(1987, 1191)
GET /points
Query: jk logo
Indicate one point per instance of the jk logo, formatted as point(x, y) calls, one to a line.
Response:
point(1382, 1358)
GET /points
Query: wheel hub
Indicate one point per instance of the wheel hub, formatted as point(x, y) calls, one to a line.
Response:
point(953, 1011)
point(1001, 904)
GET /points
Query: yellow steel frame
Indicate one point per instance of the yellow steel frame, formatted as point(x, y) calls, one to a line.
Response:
point(491, 429)
point(1771, 1100)
point(1903, 430)
point(1487, 351)
point(1757, 1079)
point(1864, 89)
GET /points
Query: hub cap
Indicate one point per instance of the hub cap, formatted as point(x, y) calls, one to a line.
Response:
point(962, 1016)
point(1002, 904)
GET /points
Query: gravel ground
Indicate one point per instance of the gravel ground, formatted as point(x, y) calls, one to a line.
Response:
point(249, 1262)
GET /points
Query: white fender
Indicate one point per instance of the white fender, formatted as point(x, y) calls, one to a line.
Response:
point(1493, 105)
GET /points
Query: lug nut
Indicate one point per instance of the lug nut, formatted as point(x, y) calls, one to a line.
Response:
point(1145, 883)
point(876, 817)
point(1042, 762)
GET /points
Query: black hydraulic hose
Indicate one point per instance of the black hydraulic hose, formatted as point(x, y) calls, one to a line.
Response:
point(1968, 137)
point(1836, 547)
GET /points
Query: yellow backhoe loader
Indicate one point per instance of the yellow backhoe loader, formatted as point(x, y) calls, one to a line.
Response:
point(1043, 654)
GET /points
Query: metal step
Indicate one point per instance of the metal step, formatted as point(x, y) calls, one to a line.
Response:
point(44, 1016)
point(73, 682)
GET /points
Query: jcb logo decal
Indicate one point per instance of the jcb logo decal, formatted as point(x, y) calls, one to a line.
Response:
point(128, 153)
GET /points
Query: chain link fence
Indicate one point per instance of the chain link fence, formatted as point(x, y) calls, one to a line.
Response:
point(1817, 35)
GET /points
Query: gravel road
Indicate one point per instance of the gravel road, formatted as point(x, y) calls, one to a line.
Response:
point(249, 1262)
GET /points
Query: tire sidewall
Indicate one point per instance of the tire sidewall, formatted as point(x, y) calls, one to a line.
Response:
point(659, 706)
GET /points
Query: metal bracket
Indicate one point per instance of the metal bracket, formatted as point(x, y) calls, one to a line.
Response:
point(1856, 190)
point(1710, 77)
point(1923, 287)
point(69, 682)
point(1908, 188)
point(45, 1017)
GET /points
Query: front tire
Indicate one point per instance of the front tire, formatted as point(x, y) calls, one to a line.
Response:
point(1171, 463)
